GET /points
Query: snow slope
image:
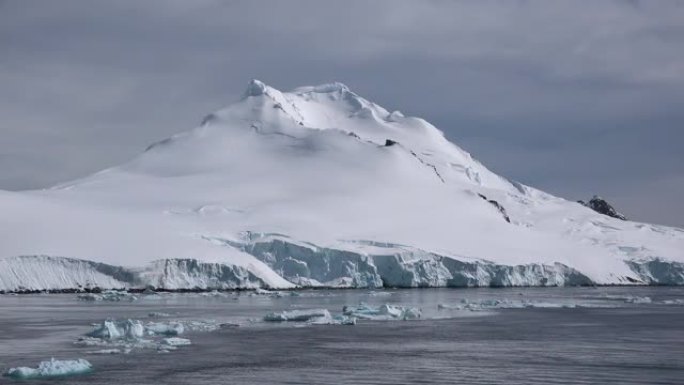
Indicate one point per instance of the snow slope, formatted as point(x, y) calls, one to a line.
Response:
point(317, 186)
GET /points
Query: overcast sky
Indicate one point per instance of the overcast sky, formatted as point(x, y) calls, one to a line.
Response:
point(573, 97)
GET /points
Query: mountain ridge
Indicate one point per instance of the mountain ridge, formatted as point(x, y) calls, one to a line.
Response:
point(334, 176)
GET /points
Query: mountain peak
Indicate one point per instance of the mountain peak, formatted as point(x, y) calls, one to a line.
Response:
point(325, 88)
point(255, 88)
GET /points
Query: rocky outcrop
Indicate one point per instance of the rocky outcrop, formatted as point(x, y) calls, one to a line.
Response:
point(601, 206)
point(498, 206)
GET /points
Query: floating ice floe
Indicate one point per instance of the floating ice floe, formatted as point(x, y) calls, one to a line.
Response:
point(176, 341)
point(382, 313)
point(164, 328)
point(639, 300)
point(109, 351)
point(213, 293)
point(379, 293)
point(624, 298)
point(156, 314)
point(172, 343)
point(52, 368)
point(313, 316)
point(122, 336)
point(201, 325)
point(118, 330)
point(297, 315)
point(261, 291)
point(269, 293)
point(677, 301)
point(109, 296)
point(489, 304)
point(123, 346)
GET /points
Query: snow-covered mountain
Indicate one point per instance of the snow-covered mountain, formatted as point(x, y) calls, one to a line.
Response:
point(317, 186)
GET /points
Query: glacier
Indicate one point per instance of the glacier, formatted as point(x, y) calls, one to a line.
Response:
point(315, 187)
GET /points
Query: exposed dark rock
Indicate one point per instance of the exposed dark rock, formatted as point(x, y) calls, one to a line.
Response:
point(389, 142)
point(600, 205)
point(496, 204)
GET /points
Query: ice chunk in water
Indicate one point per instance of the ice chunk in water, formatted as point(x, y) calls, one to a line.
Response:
point(109, 351)
point(638, 300)
point(314, 316)
point(164, 328)
point(109, 295)
point(383, 312)
point(157, 314)
point(176, 341)
point(334, 320)
point(504, 303)
point(122, 336)
point(201, 325)
point(267, 293)
point(52, 368)
point(115, 330)
point(298, 315)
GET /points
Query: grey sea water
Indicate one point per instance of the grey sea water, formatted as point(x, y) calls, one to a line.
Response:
point(617, 336)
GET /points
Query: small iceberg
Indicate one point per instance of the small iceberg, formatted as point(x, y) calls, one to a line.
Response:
point(176, 341)
point(314, 317)
point(172, 343)
point(108, 296)
point(157, 314)
point(52, 368)
point(490, 304)
point(164, 328)
point(384, 312)
point(267, 293)
point(298, 315)
point(213, 293)
point(624, 298)
point(201, 325)
point(638, 300)
point(109, 351)
point(122, 336)
point(118, 330)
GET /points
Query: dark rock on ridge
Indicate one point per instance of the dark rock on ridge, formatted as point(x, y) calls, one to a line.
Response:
point(601, 206)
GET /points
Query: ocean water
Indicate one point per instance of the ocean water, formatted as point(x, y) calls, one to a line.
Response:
point(627, 335)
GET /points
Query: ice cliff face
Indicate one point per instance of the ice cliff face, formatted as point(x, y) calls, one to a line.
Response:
point(315, 187)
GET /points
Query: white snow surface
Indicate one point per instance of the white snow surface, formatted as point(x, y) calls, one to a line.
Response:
point(315, 187)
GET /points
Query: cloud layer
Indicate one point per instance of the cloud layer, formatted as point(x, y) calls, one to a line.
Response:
point(572, 97)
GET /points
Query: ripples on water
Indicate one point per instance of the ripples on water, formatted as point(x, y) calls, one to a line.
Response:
point(609, 340)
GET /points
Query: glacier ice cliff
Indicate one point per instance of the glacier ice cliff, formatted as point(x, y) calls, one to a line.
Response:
point(306, 265)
